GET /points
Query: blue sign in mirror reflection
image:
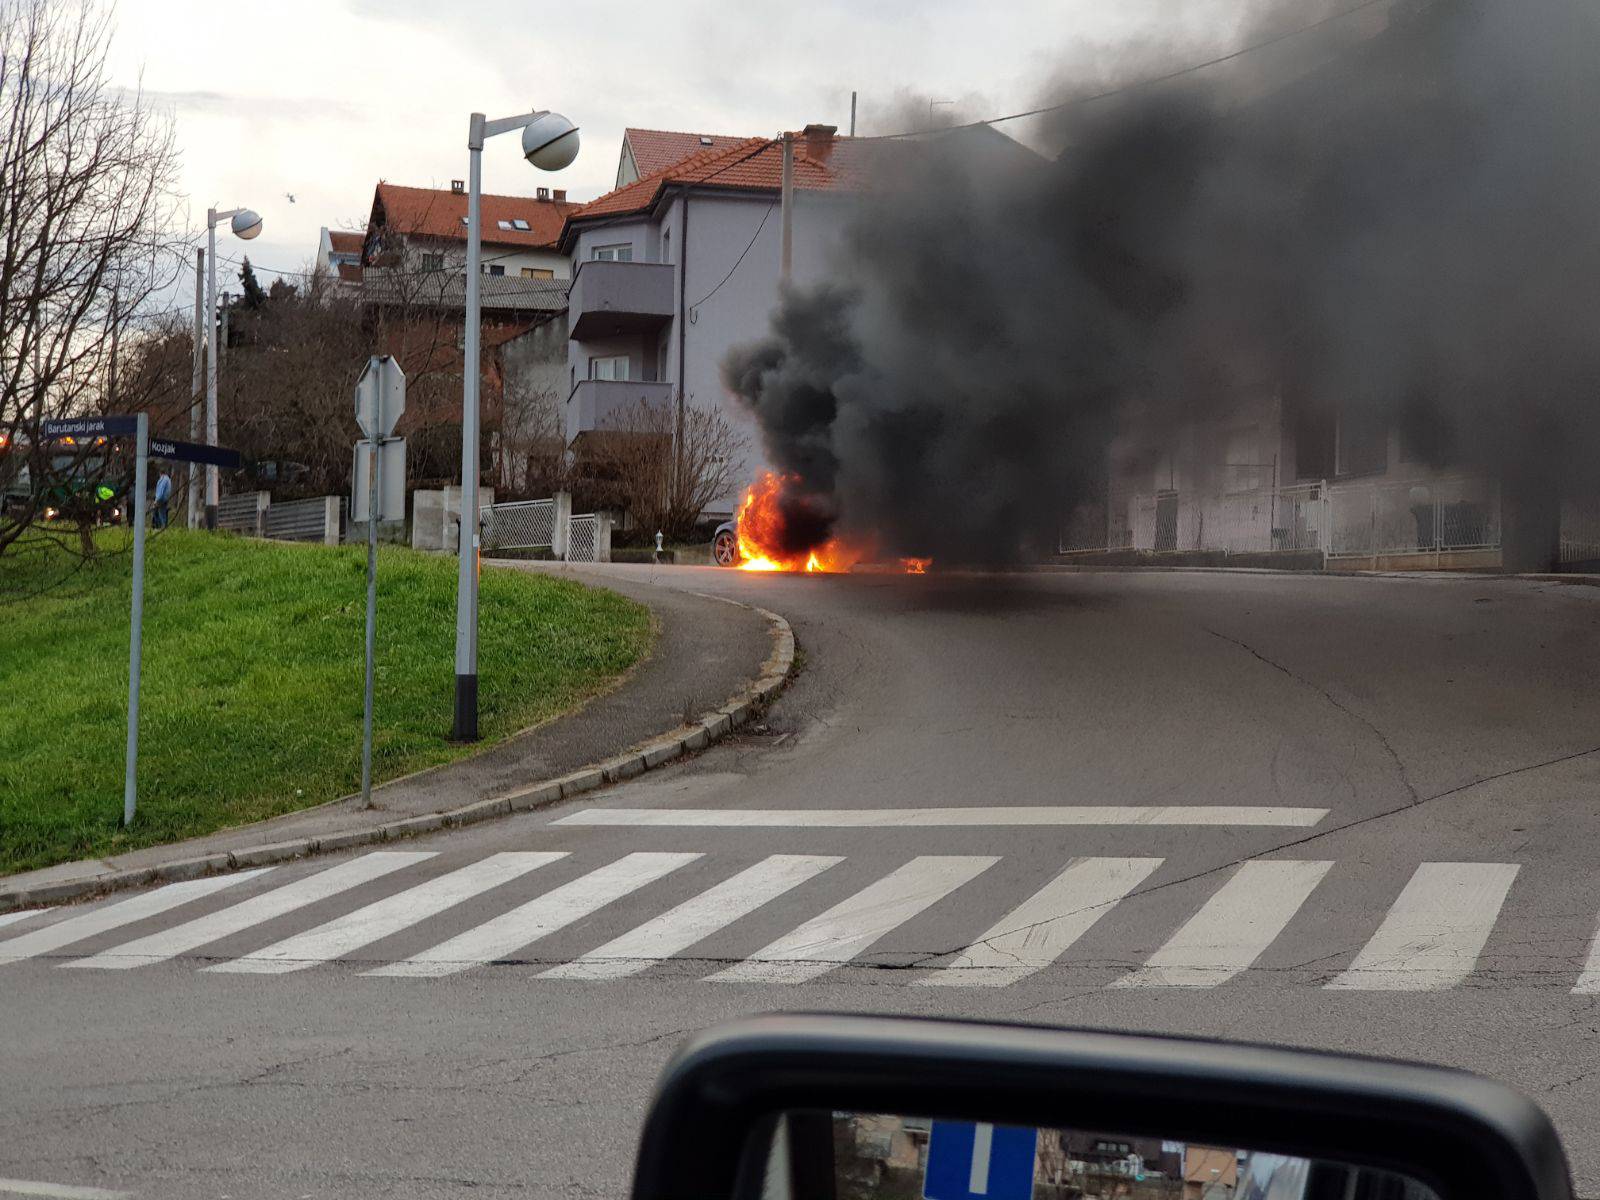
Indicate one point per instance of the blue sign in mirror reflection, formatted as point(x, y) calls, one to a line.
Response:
point(875, 1156)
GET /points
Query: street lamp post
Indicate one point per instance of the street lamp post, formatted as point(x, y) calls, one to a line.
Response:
point(246, 225)
point(549, 142)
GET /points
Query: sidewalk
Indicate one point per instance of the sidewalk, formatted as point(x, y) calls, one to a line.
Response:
point(713, 664)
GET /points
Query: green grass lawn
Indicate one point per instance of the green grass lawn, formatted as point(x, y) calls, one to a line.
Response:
point(251, 699)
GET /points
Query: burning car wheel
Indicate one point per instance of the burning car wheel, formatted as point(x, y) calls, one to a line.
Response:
point(725, 548)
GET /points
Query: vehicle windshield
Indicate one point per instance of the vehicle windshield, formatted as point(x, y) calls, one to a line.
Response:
point(528, 532)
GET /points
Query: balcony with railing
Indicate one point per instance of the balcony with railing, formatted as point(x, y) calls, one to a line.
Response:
point(623, 405)
point(610, 298)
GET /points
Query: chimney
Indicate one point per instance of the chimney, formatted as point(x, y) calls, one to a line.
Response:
point(458, 186)
point(561, 195)
point(819, 140)
point(543, 193)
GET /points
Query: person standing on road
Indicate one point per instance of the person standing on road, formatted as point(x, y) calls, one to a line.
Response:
point(163, 495)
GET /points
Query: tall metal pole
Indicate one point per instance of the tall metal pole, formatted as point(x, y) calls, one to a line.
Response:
point(130, 775)
point(195, 394)
point(212, 479)
point(374, 491)
point(466, 714)
point(852, 114)
point(786, 256)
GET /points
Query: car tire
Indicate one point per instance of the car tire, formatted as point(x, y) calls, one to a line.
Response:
point(725, 549)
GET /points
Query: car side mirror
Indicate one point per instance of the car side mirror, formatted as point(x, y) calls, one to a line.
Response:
point(819, 1107)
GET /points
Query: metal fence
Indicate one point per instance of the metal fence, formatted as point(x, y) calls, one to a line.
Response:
point(519, 525)
point(244, 512)
point(1351, 519)
point(301, 520)
point(583, 538)
point(1580, 530)
point(1417, 517)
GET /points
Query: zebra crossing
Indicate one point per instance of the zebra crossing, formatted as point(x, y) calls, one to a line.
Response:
point(1430, 936)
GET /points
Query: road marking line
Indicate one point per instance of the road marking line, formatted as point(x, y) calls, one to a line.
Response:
point(913, 818)
point(849, 927)
point(695, 919)
point(1039, 930)
point(1432, 935)
point(11, 918)
point(1589, 982)
point(527, 923)
point(62, 1191)
point(1233, 928)
point(113, 916)
point(169, 943)
point(343, 935)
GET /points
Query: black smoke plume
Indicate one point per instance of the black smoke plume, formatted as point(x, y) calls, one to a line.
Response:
point(1392, 218)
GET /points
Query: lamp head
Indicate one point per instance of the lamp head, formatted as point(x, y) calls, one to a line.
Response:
point(550, 142)
point(246, 224)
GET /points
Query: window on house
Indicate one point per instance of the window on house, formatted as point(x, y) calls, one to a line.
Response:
point(505, 225)
point(538, 273)
point(613, 366)
point(620, 253)
point(519, 223)
point(433, 262)
point(494, 269)
point(463, 220)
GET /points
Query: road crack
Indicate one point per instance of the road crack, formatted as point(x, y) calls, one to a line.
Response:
point(1360, 719)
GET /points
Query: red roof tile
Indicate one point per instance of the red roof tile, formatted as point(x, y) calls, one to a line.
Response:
point(435, 212)
point(753, 164)
point(656, 149)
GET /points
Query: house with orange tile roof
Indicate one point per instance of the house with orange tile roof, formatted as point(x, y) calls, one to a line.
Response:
point(676, 266)
point(426, 229)
point(647, 151)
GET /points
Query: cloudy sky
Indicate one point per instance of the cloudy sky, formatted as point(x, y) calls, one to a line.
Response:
point(322, 98)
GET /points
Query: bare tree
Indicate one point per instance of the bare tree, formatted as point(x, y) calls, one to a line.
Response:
point(88, 214)
point(633, 464)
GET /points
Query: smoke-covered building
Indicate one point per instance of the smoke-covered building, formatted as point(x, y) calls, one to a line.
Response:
point(672, 270)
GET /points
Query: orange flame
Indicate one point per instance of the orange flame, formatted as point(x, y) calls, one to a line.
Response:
point(759, 527)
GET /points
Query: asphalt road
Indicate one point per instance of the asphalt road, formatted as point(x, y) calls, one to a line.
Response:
point(1355, 813)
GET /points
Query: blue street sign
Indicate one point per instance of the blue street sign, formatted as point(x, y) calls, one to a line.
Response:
point(967, 1161)
point(77, 427)
point(216, 456)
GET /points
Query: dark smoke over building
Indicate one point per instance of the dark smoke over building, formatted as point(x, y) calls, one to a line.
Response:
point(1389, 222)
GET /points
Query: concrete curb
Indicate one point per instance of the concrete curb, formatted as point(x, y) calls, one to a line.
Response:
point(711, 726)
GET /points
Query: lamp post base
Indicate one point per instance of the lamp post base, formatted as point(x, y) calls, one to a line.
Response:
point(466, 726)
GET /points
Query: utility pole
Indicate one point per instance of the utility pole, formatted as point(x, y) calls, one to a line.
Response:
point(196, 392)
point(786, 260)
point(852, 114)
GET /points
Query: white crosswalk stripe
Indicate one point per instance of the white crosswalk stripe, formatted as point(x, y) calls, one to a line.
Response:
point(449, 917)
point(696, 919)
point(849, 927)
point(1039, 930)
point(180, 939)
point(1432, 935)
point(1233, 928)
point(12, 918)
point(117, 914)
point(529, 922)
point(1589, 982)
point(343, 935)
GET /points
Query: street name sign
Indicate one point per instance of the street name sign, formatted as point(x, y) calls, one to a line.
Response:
point(76, 427)
point(195, 452)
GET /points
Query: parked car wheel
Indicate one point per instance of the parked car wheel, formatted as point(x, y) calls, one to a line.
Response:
point(725, 546)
